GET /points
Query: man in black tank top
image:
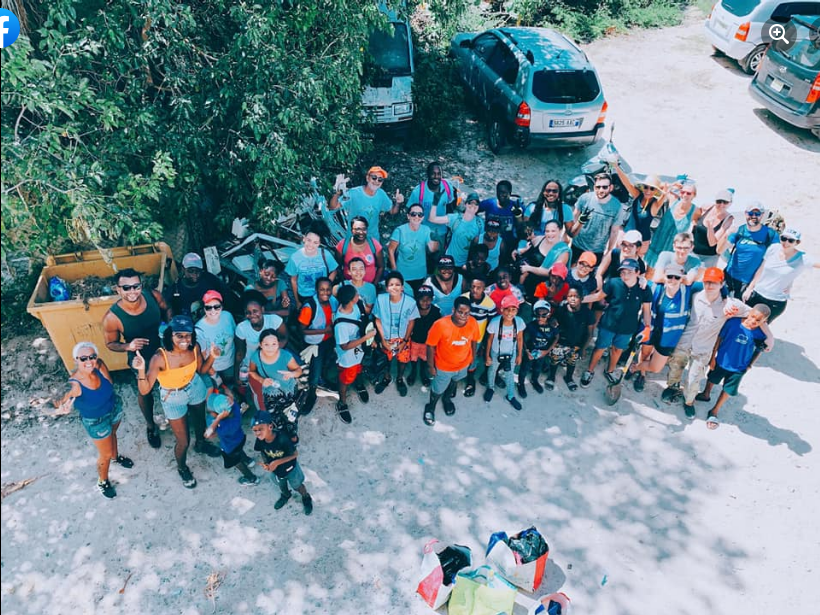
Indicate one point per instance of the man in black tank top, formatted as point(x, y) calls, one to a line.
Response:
point(132, 324)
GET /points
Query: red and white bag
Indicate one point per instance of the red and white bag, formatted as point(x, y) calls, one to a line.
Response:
point(541, 607)
point(500, 556)
point(431, 585)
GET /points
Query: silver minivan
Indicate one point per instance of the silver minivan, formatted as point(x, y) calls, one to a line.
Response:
point(736, 27)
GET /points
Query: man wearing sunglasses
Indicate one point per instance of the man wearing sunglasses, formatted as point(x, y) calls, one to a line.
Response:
point(598, 221)
point(131, 325)
point(749, 245)
point(368, 200)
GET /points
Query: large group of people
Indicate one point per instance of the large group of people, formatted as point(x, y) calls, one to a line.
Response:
point(492, 292)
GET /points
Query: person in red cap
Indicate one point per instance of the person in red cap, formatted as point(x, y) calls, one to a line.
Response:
point(555, 289)
point(710, 310)
point(368, 200)
point(217, 328)
point(504, 349)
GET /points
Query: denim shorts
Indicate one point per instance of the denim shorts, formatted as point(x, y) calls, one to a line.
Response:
point(101, 427)
point(607, 338)
point(443, 379)
point(175, 402)
point(295, 478)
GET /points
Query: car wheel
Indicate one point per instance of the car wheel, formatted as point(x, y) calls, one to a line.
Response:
point(751, 62)
point(495, 134)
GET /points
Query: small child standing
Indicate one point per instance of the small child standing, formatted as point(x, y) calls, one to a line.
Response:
point(574, 329)
point(316, 319)
point(735, 352)
point(279, 456)
point(428, 314)
point(505, 346)
point(540, 336)
point(348, 329)
point(225, 420)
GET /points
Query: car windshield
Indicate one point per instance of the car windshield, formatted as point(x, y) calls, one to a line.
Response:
point(740, 7)
point(390, 51)
point(804, 52)
point(565, 86)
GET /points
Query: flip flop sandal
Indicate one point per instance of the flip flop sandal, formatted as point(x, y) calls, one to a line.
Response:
point(712, 422)
point(571, 385)
point(429, 417)
point(469, 390)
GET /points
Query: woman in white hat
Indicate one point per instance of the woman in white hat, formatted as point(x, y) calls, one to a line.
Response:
point(782, 264)
point(648, 205)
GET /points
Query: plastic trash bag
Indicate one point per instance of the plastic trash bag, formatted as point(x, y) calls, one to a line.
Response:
point(481, 592)
point(521, 558)
point(438, 570)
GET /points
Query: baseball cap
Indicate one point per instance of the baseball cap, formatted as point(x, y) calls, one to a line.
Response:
point(674, 269)
point(633, 236)
point(424, 290)
point(713, 274)
point(181, 324)
point(493, 225)
point(211, 295)
point(629, 263)
point(559, 269)
point(589, 258)
point(723, 195)
point(791, 233)
point(509, 301)
point(263, 417)
point(542, 305)
point(218, 403)
point(473, 196)
point(191, 260)
point(377, 171)
point(446, 262)
point(755, 206)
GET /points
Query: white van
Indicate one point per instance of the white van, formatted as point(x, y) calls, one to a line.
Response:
point(736, 27)
point(388, 75)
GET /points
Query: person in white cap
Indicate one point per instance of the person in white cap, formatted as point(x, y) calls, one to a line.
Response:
point(773, 281)
point(185, 295)
point(711, 225)
point(629, 246)
point(748, 247)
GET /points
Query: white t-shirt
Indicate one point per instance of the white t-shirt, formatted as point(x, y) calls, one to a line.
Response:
point(244, 331)
point(775, 282)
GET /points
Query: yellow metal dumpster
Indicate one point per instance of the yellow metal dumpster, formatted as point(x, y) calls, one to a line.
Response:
point(75, 320)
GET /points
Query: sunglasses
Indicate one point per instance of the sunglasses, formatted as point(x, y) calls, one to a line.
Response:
point(721, 202)
point(182, 335)
point(127, 287)
point(416, 214)
point(647, 187)
point(542, 315)
point(585, 265)
point(754, 214)
point(376, 178)
point(216, 306)
point(602, 187)
point(551, 190)
point(626, 244)
point(91, 357)
point(673, 277)
point(687, 192)
point(788, 240)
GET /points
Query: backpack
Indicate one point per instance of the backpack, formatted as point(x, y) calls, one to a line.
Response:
point(743, 233)
point(447, 189)
point(346, 244)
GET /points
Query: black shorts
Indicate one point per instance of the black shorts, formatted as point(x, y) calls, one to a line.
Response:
point(236, 455)
point(731, 380)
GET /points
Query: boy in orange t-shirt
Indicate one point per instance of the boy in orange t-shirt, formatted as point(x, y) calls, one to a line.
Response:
point(451, 346)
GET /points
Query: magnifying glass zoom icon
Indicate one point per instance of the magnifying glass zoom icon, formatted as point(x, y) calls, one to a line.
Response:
point(778, 33)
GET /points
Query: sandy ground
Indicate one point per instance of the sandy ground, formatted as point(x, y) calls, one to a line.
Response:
point(680, 520)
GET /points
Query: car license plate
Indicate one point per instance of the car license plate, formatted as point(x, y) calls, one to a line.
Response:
point(776, 84)
point(568, 123)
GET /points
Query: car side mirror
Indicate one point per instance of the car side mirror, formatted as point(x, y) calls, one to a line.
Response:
point(466, 44)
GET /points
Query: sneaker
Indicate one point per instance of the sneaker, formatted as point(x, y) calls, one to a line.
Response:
point(612, 377)
point(188, 480)
point(307, 504)
point(381, 385)
point(125, 462)
point(536, 386)
point(522, 389)
point(488, 395)
point(152, 433)
point(248, 481)
point(401, 387)
point(107, 489)
point(482, 379)
point(586, 379)
point(702, 396)
point(670, 394)
point(307, 406)
point(514, 403)
point(343, 412)
point(201, 446)
point(548, 384)
point(640, 382)
point(364, 396)
point(571, 385)
point(689, 410)
point(283, 499)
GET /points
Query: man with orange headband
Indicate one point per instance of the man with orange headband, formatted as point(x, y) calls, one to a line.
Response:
point(368, 200)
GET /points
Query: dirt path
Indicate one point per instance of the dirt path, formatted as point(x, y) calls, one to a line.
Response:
point(678, 519)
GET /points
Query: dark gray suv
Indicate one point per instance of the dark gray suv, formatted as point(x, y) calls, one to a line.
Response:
point(787, 81)
point(535, 84)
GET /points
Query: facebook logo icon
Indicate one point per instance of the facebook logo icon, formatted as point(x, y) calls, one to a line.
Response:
point(9, 28)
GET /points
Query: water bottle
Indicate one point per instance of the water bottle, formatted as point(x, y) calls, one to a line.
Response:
point(243, 374)
point(58, 289)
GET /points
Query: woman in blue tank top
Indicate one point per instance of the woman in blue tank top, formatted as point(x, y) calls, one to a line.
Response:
point(92, 394)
